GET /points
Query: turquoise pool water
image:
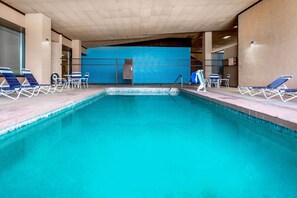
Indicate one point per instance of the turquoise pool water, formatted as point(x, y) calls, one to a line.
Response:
point(148, 146)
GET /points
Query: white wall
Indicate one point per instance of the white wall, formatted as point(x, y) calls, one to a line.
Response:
point(272, 24)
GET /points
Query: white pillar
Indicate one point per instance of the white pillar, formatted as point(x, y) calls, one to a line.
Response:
point(76, 55)
point(207, 49)
point(38, 46)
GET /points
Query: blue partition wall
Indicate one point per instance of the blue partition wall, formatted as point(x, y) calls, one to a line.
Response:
point(150, 64)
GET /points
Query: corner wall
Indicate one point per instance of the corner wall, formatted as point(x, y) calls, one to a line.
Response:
point(272, 25)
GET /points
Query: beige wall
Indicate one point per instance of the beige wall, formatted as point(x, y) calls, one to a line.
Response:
point(55, 37)
point(272, 24)
point(207, 50)
point(56, 58)
point(11, 15)
point(76, 55)
point(38, 50)
point(57, 55)
point(42, 57)
point(230, 52)
point(67, 42)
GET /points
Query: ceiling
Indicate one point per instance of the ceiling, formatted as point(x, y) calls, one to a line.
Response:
point(112, 22)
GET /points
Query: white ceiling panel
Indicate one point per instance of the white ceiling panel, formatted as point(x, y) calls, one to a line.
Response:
point(104, 22)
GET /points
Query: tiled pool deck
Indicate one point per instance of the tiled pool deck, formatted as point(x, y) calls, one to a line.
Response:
point(273, 110)
point(26, 109)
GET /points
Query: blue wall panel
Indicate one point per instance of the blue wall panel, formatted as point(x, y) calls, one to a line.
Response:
point(150, 64)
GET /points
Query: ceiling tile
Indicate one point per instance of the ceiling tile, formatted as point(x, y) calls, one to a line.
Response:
point(117, 19)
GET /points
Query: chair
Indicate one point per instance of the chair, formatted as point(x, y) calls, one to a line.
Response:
point(47, 88)
point(214, 79)
point(269, 91)
point(75, 79)
point(291, 93)
point(85, 79)
point(200, 78)
point(56, 80)
point(14, 86)
point(226, 80)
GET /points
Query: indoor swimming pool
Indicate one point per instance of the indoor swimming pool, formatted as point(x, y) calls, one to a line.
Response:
point(132, 146)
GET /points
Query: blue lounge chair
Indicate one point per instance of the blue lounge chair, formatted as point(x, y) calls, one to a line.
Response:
point(290, 93)
point(47, 88)
point(269, 91)
point(13, 85)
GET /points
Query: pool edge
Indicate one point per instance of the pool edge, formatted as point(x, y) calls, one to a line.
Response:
point(150, 91)
point(73, 104)
point(252, 113)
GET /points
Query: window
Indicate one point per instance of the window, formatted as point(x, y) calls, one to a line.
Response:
point(11, 49)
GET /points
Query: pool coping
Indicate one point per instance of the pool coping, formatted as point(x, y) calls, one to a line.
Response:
point(141, 91)
point(73, 104)
point(250, 112)
point(154, 91)
point(31, 120)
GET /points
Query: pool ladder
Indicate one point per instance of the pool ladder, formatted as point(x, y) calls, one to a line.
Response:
point(181, 82)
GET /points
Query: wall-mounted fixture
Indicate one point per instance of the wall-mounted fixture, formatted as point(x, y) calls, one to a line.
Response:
point(226, 37)
point(253, 42)
point(45, 42)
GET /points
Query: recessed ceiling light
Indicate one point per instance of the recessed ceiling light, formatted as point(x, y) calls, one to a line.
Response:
point(226, 37)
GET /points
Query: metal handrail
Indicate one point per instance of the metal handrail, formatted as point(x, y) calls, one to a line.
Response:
point(181, 81)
